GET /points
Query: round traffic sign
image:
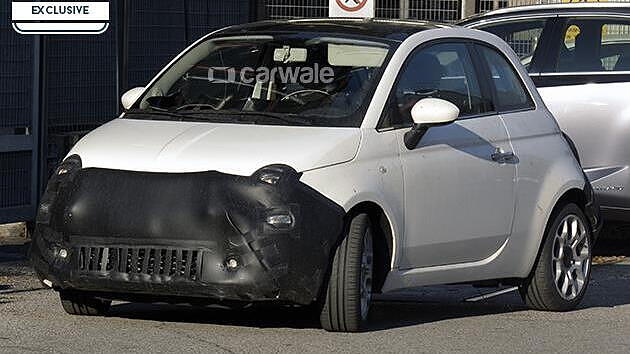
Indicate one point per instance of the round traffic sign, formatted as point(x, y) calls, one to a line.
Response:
point(351, 5)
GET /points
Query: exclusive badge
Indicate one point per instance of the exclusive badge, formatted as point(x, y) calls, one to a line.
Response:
point(75, 17)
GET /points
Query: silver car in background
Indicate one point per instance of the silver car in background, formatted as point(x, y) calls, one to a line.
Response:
point(578, 55)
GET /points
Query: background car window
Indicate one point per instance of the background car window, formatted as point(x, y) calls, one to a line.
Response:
point(522, 36)
point(441, 71)
point(615, 50)
point(511, 92)
point(592, 45)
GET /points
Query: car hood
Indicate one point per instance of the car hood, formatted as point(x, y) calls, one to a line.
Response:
point(240, 149)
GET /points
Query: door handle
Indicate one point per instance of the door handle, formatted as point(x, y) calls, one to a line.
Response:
point(501, 156)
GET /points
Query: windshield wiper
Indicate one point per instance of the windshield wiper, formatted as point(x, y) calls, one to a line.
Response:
point(220, 116)
point(284, 118)
point(166, 113)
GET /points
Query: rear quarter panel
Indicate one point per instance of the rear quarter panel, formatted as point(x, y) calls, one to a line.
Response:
point(546, 170)
point(597, 118)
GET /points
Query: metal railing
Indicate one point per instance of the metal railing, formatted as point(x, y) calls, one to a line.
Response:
point(434, 10)
point(488, 5)
point(279, 9)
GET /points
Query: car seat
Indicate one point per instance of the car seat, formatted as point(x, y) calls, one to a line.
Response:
point(587, 52)
point(422, 79)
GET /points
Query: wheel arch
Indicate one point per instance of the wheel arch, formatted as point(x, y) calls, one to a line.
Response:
point(572, 195)
point(384, 243)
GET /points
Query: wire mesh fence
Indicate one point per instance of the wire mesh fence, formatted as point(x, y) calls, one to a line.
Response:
point(280, 9)
point(434, 10)
point(389, 9)
point(15, 178)
point(15, 77)
point(511, 3)
point(488, 5)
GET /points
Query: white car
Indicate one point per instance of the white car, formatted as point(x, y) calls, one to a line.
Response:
point(578, 56)
point(316, 162)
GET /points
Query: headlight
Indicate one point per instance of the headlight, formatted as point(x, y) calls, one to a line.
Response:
point(62, 174)
point(71, 164)
point(269, 178)
point(275, 174)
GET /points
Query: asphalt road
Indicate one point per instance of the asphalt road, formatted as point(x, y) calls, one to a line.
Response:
point(432, 320)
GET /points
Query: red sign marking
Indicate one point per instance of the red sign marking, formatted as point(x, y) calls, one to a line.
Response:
point(354, 5)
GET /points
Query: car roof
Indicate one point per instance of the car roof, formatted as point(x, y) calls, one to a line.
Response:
point(391, 30)
point(552, 9)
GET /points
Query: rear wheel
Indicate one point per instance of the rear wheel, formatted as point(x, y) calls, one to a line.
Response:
point(563, 269)
point(79, 304)
point(349, 293)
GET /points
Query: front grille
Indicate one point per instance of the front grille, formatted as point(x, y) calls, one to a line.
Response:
point(173, 263)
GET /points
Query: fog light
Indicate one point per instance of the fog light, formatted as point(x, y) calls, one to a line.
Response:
point(280, 220)
point(231, 263)
point(63, 253)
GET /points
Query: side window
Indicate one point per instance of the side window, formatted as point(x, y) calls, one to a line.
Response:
point(510, 90)
point(615, 50)
point(594, 45)
point(522, 36)
point(443, 71)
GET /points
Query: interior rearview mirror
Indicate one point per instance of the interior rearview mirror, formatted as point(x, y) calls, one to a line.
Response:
point(427, 113)
point(130, 97)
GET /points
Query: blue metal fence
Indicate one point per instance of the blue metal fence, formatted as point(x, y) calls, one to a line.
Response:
point(18, 148)
point(55, 89)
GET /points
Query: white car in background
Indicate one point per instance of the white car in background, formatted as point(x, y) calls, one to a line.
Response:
point(578, 56)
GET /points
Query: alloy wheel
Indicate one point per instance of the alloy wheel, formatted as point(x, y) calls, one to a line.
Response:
point(367, 265)
point(571, 257)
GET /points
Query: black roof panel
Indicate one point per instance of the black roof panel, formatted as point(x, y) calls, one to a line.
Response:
point(384, 29)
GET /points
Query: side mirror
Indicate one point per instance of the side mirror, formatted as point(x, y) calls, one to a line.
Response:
point(434, 111)
point(427, 113)
point(130, 97)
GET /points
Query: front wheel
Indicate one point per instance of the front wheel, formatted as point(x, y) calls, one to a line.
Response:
point(349, 293)
point(563, 269)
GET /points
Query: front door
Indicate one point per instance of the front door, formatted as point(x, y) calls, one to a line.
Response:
point(459, 190)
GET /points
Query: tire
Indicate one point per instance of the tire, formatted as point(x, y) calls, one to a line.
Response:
point(79, 304)
point(346, 306)
point(561, 274)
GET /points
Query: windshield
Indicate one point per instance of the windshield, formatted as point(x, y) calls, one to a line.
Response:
point(286, 79)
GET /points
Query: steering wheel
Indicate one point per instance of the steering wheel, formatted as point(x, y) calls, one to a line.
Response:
point(304, 92)
point(196, 105)
point(221, 103)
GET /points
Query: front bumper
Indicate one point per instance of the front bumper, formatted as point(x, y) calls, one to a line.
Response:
point(203, 235)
